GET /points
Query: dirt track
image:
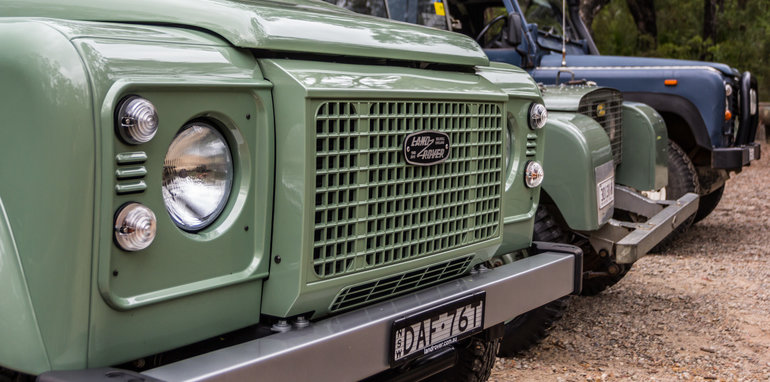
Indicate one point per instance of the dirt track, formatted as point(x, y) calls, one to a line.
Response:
point(699, 311)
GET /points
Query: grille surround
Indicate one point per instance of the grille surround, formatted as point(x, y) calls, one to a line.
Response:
point(377, 290)
point(372, 209)
point(612, 121)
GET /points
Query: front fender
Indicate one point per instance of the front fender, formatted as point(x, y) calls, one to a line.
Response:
point(645, 149)
point(575, 146)
point(18, 323)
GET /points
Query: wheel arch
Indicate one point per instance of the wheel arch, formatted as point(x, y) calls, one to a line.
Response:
point(684, 122)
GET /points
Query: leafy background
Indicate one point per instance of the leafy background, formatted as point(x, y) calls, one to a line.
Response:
point(734, 32)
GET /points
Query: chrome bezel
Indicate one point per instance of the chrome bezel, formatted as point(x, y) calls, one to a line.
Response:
point(223, 201)
point(128, 106)
point(533, 174)
point(538, 116)
point(125, 225)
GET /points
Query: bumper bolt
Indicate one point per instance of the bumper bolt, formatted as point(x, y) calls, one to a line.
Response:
point(281, 326)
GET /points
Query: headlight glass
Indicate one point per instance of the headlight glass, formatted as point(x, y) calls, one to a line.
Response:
point(197, 176)
point(538, 116)
point(137, 120)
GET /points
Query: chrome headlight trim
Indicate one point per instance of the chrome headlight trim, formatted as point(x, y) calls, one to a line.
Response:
point(198, 176)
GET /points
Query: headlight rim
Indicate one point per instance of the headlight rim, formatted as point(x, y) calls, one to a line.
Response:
point(210, 222)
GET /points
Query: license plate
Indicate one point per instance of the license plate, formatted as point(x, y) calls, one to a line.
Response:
point(751, 154)
point(605, 190)
point(431, 330)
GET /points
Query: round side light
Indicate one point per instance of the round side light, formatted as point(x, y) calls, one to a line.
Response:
point(538, 116)
point(137, 120)
point(533, 174)
point(135, 226)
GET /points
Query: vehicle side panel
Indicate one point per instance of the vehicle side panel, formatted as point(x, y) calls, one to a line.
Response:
point(47, 147)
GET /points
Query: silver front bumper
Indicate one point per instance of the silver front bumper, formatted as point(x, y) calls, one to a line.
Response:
point(356, 345)
point(631, 240)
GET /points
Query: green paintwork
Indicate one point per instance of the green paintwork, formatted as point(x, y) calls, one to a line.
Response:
point(565, 98)
point(185, 81)
point(81, 300)
point(519, 202)
point(300, 26)
point(18, 323)
point(290, 289)
point(643, 167)
point(575, 146)
point(205, 277)
point(47, 187)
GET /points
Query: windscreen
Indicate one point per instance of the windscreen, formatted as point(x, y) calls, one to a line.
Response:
point(367, 7)
point(548, 17)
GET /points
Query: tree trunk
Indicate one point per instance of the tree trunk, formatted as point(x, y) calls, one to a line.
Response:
point(643, 12)
point(588, 11)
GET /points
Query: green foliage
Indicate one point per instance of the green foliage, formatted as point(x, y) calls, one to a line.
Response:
point(743, 34)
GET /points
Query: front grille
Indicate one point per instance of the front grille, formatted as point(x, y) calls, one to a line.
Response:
point(372, 209)
point(399, 284)
point(610, 116)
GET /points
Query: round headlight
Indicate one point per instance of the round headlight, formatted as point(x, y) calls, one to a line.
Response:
point(197, 176)
point(134, 227)
point(538, 116)
point(533, 174)
point(137, 120)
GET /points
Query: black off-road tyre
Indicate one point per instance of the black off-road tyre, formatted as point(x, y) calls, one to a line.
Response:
point(682, 178)
point(529, 329)
point(476, 357)
point(708, 203)
point(12, 376)
point(548, 228)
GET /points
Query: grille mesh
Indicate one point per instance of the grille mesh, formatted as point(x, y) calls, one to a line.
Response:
point(611, 121)
point(372, 209)
point(399, 284)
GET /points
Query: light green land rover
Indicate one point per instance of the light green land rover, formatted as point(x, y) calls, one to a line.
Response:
point(272, 190)
point(606, 161)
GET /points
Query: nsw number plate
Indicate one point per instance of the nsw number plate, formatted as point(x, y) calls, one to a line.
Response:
point(431, 330)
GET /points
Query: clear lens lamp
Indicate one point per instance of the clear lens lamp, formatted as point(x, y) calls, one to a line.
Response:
point(134, 227)
point(197, 176)
point(137, 120)
point(533, 174)
point(538, 116)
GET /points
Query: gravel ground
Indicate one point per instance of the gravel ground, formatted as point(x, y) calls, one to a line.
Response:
point(699, 311)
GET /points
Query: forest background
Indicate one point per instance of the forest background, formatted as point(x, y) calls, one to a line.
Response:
point(733, 32)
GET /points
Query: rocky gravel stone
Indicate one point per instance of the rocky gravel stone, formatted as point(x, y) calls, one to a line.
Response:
point(699, 311)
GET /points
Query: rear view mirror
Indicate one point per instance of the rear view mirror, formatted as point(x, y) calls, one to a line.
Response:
point(515, 29)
